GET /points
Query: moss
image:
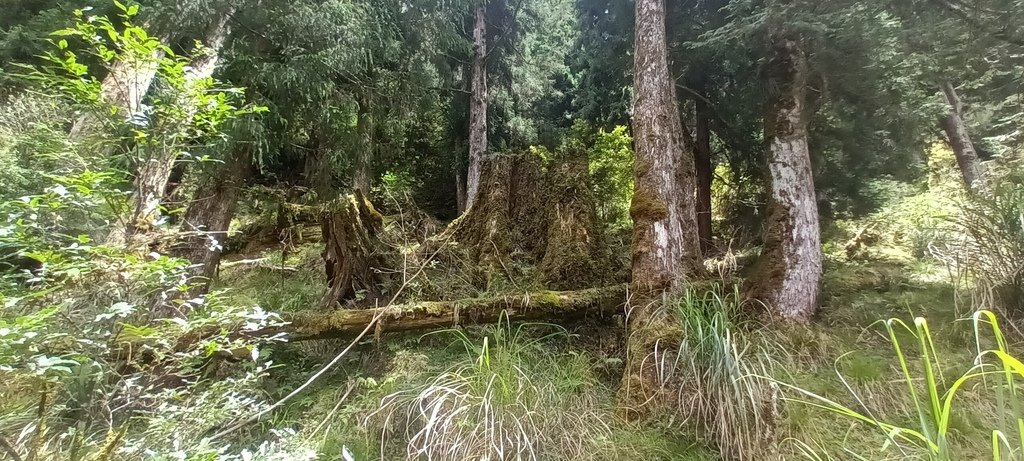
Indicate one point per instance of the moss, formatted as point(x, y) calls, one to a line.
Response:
point(646, 205)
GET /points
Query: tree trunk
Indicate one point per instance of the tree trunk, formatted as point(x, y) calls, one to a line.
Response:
point(363, 173)
point(217, 33)
point(205, 224)
point(477, 107)
point(705, 174)
point(460, 193)
point(151, 177)
point(354, 260)
point(153, 173)
point(317, 169)
point(788, 273)
point(126, 83)
point(485, 230)
point(666, 246)
point(959, 139)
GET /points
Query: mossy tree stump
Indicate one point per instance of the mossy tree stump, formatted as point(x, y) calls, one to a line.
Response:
point(355, 261)
point(574, 255)
point(528, 212)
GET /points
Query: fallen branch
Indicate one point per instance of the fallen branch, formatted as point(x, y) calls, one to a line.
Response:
point(259, 263)
point(543, 305)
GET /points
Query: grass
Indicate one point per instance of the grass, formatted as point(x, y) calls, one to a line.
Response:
point(721, 367)
point(530, 391)
point(549, 394)
point(538, 392)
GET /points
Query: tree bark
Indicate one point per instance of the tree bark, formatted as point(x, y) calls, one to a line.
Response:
point(205, 224)
point(126, 83)
point(477, 107)
point(705, 174)
point(666, 246)
point(363, 173)
point(151, 177)
point(574, 254)
point(317, 169)
point(960, 140)
point(460, 193)
point(217, 33)
point(788, 272)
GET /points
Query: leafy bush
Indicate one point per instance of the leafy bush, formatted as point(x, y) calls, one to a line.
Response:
point(991, 243)
point(88, 370)
point(611, 169)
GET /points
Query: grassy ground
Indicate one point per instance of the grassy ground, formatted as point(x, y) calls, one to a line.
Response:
point(443, 394)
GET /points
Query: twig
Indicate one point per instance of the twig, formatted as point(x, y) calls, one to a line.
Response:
point(333, 410)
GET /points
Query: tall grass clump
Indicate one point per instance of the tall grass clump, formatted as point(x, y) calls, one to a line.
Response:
point(934, 398)
point(509, 397)
point(722, 373)
point(991, 225)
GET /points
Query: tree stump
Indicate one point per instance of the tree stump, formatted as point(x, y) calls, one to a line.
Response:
point(355, 261)
point(574, 256)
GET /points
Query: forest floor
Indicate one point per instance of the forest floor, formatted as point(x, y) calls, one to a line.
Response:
point(558, 385)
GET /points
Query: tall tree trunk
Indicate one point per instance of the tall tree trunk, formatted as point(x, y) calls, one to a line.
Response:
point(151, 177)
point(126, 83)
point(153, 173)
point(705, 173)
point(666, 247)
point(788, 272)
point(205, 224)
point(363, 173)
point(477, 107)
point(959, 139)
point(217, 33)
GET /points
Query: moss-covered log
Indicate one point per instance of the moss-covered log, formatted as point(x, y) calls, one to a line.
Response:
point(548, 306)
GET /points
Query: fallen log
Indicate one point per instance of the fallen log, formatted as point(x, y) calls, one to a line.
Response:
point(542, 305)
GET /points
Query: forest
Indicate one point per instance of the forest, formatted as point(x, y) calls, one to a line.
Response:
point(736, 230)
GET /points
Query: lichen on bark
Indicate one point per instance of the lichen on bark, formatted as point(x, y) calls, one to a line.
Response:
point(787, 276)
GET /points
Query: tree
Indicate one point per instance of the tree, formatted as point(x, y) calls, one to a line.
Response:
point(665, 242)
point(362, 176)
point(788, 273)
point(155, 167)
point(665, 248)
point(477, 106)
point(959, 138)
point(204, 226)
